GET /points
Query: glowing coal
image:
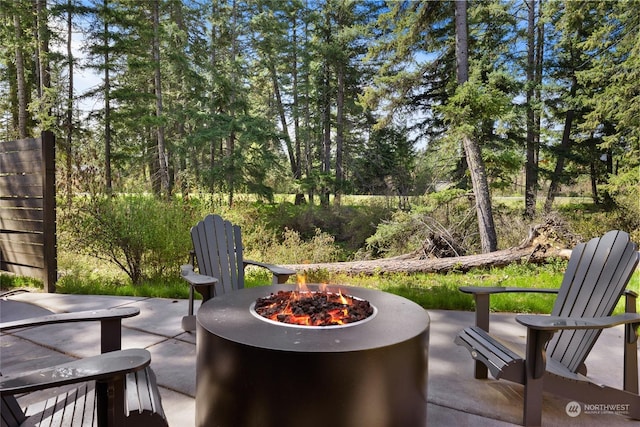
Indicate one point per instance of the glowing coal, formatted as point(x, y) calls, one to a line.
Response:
point(313, 308)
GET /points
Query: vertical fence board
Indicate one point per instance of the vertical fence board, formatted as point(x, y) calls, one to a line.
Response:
point(28, 243)
point(49, 206)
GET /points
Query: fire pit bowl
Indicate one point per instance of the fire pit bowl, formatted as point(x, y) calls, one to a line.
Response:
point(255, 372)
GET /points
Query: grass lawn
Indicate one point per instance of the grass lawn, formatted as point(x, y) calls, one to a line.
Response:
point(431, 291)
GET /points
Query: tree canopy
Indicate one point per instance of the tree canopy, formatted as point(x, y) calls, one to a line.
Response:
point(320, 97)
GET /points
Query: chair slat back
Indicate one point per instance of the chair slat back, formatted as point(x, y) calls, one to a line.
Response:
point(596, 276)
point(218, 247)
point(10, 412)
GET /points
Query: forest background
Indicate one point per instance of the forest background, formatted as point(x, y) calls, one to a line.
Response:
point(440, 107)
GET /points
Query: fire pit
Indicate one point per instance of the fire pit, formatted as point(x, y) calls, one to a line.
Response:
point(255, 371)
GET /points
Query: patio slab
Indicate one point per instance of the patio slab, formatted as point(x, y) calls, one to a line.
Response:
point(454, 396)
point(177, 359)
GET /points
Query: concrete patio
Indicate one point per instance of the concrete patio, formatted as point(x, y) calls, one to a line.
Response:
point(454, 397)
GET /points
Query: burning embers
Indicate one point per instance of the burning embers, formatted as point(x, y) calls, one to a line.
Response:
point(313, 308)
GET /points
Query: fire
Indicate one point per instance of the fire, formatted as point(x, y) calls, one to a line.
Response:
point(312, 308)
point(343, 300)
point(301, 281)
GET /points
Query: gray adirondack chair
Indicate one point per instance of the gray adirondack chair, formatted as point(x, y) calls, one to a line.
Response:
point(219, 256)
point(558, 345)
point(114, 389)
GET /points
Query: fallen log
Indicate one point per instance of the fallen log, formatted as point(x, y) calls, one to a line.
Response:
point(432, 265)
point(541, 244)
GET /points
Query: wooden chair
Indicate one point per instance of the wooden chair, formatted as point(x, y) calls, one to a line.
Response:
point(115, 388)
point(218, 254)
point(557, 345)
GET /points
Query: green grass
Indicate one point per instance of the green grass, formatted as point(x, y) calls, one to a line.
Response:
point(8, 282)
point(440, 291)
point(431, 291)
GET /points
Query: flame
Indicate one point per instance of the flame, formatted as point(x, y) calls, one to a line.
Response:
point(343, 300)
point(336, 316)
point(301, 280)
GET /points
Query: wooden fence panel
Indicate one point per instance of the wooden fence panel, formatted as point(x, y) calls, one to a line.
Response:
point(28, 243)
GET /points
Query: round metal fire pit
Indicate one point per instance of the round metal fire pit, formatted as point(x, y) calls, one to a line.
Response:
point(252, 372)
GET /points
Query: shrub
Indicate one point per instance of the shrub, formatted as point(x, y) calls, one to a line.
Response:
point(290, 248)
point(143, 236)
point(266, 225)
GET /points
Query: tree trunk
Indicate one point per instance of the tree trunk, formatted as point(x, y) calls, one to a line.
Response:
point(540, 245)
point(462, 49)
point(326, 138)
point(213, 64)
point(293, 160)
point(231, 139)
point(538, 92)
point(488, 237)
point(43, 49)
point(326, 115)
point(297, 174)
point(594, 182)
point(69, 120)
point(21, 84)
point(162, 151)
point(531, 173)
point(565, 148)
point(339, 134)
point(108, 183)
point(438, 265)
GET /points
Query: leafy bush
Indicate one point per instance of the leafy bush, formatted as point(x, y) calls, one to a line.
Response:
point(290, 248)
point(143, 236)
point(589, 221)
point(264, 225)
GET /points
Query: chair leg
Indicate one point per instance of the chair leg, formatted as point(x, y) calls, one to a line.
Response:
point(480, 371)
point(110, 335)
point(190, 300)
point(110, 402)
point(631, 348)
point(535, 367)
point(532, 414)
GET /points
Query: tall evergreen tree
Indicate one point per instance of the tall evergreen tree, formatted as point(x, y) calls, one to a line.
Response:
point(488, 236)
point(535, 44)
point(613, 103)
point(572, 23)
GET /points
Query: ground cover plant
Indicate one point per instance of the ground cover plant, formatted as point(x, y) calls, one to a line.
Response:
point(153, 237)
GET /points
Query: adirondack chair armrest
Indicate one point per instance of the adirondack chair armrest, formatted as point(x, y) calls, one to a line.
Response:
point(196, 279)
point(482, 295)
point(203, 284)
point(77, 316)
point(104, 367)
point(556, 323)
point(280, 274)
point(110, 323)
point(488, 290)
point(630, 293)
